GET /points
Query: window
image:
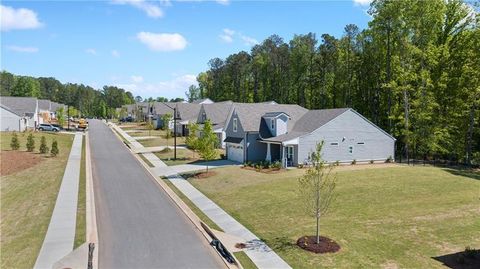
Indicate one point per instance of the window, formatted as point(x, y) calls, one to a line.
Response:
point(235, 124)
point(350, 149)
point(334, 144)
point(204, 117)
point(273, 123)
point(361, 143)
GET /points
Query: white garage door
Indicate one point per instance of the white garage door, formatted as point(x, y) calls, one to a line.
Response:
point(235, 152)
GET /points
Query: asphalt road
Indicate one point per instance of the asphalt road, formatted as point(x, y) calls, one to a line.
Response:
point(138, 225)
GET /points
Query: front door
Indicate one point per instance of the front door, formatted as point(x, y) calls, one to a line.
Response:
point(290, 156)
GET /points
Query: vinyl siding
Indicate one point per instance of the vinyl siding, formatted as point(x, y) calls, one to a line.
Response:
point(349, 125)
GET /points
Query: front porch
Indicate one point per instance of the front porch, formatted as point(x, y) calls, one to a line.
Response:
point(285, 153)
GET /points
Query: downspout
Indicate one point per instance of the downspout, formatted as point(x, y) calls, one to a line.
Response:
point(246, 146)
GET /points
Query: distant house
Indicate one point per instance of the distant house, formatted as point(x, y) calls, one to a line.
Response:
point(289, 133)
point(160, 109)
point(203, 101)
point(24, 107)
point(186, 113)
point(11, 121)
point(217, 113)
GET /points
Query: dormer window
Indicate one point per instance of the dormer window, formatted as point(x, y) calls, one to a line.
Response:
point(235, 124)
point(204, 116)
point(272, 124)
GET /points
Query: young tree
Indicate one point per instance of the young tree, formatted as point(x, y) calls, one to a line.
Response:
point(43, 145)
point(60, 114)
point(316, 187)
point(54, 150)
point(207, 143)
point(192, 139)
point(30, 143)
point(150, 127)
point(166, 121)
point(14, 144)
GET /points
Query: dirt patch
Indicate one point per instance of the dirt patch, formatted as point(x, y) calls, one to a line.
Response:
point(326, 244)
point(15, 161)
point(200, 175)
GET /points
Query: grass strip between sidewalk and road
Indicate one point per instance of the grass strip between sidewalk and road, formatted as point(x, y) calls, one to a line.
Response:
point(80, 231)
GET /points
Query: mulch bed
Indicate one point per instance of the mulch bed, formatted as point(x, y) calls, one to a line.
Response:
point(326, 245)
point(264, 170)
point(15, 161)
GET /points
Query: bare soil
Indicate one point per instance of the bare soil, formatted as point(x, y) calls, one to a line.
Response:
point(326, 244)
point(15, 161)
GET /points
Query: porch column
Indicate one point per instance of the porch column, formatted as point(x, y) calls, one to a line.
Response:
point(282, 155)
point(269, 156)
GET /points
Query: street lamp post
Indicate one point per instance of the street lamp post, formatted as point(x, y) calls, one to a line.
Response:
point(174, 130)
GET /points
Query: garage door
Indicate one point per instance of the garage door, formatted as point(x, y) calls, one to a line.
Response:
point(235, 152)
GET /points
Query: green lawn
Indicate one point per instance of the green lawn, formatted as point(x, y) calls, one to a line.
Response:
point(27, 201)
point(386, 217)
point(159, 141)
point(183, 156)
point(80, 231)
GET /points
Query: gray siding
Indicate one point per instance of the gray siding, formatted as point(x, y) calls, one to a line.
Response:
point(256, 151)
point(355, 129)
point(229, 129)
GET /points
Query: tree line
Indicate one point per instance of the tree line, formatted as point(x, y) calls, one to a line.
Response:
point(88, 101)
point(414, 71)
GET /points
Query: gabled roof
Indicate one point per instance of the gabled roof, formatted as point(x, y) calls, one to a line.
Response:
point(274, 114)
point(8, 109)
point(162, 108)
point(250, 114)
point(308, 123)
point(203, 101)
point(54, 106)
point(188, 111)
point(217, 113)
point(44, 104)
point(20, 105)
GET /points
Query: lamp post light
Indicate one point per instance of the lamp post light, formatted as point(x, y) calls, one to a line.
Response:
point(174, 130)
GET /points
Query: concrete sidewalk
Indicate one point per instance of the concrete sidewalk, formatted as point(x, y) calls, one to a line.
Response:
point(60, 235)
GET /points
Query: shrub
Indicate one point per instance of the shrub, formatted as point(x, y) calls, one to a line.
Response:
point(223, 157)
point(389, 159)
point(43, 145)
point(300, 165)
point(14, 144)
point(30, 143)
point(337, 163)
point(54, 150)
point(277, 165)
point(166, 150)
point(354, 161)
point(471, 252)
point(372, 161)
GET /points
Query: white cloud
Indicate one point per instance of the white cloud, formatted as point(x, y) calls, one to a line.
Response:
point(249, 41)
point(223, 2)
point(362, 2)
point(227, 35)
point(137, 79)
point(22, 18)
point(149, 8)
point(162, 41)
point(115, 53)
point(22, 49)
point(91, 51)
point(173, 88)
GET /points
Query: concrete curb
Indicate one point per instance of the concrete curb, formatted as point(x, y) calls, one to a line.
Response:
point(182, 206)
point(91, 214)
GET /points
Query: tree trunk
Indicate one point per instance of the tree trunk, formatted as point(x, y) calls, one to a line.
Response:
point(470, 134)
point(405, 106)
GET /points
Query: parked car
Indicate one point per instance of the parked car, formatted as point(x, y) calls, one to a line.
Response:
point(127, 119)
point(48, 127)
point(58, 126)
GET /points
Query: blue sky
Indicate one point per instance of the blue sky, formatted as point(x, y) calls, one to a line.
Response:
point(152, 48)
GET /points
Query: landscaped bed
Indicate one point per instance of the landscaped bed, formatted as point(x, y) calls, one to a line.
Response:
point(28, 197)
point(392, 216)
point(184, 156)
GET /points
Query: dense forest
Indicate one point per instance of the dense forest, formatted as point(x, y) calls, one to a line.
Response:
point(414, 71)
point(87, 100)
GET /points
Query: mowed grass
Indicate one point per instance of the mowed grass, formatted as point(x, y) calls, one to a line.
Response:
point(80, 231)
point(386, 217)
point(183, 156)
point(27, 201)
point(159, 140)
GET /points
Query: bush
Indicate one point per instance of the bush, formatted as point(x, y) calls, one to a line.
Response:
point(43, 145)
point(389, 159)
point(14, 144)
point(471, 252)
point(337, 163)
point(354, 161)
point(54, 150)
point(277, 165)
point(30, 143)
point(166, 150)
point(372, 161)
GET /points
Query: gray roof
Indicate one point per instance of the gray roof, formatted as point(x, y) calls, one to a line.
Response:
point(20, 105)
point(44, 104)
point(54, 106)
point(308, 123)
point(162, 108)
point(250, 114)
point(201, 101)
point(217, 113)
point(188, 111)
point(274, 114)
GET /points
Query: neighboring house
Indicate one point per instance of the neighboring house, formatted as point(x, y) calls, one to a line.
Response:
point(217, 113)
point(203, 101)
point(186, 113)
point(11, 121)
point(160, 109)
point(44, 111)
point(54, 106)
point(290, 135)
point(25, 107)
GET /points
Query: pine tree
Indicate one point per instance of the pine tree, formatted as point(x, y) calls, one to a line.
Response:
point(54, 150)
point(14, 144)
point(30, 143)
point(43, 145)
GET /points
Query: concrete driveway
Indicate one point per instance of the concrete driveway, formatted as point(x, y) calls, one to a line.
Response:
point(138, 225)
